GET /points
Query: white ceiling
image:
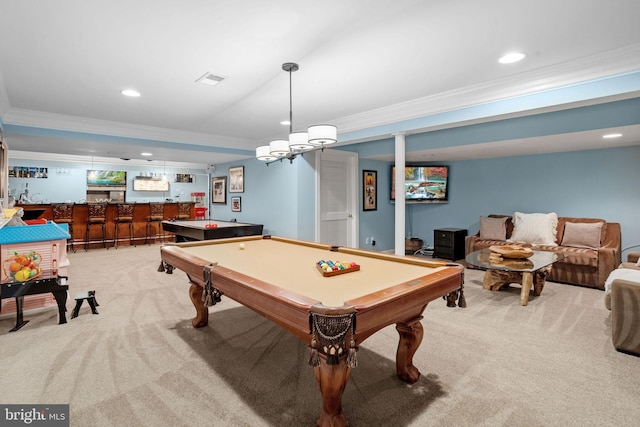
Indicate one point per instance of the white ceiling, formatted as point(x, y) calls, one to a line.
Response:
point(63, 64)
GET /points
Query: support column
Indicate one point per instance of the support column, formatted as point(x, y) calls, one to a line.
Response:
point(400, 227)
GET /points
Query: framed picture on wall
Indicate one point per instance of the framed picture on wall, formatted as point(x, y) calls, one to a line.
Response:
point(235, 204)
point(236, 179)
point(369, 190)
point(184, 177)
point(219, 190)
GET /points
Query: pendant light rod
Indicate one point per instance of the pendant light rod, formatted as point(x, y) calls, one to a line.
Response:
point(290, 67)
point(290, 105)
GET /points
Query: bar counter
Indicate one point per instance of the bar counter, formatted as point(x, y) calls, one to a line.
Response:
point(140, 215)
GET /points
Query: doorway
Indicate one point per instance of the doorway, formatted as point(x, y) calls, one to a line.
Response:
point(337, 198)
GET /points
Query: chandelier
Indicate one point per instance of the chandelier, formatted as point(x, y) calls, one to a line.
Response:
point(316, 137)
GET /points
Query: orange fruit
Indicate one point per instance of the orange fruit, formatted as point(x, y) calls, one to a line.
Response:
point(23, 260)
point(15, 266)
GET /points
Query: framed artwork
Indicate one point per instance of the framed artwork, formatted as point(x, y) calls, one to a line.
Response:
point(219, 190)
point(236, 179)
point(27, 172)
point(369, 190)
point(184, 177)
point(235, 204)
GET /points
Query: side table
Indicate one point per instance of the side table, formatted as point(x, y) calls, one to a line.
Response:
point(448, 243)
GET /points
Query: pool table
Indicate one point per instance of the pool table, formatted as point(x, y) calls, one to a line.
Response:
point(279, 279)
point(186, 231)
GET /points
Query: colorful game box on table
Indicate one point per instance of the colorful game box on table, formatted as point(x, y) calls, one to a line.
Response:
point(333, 268)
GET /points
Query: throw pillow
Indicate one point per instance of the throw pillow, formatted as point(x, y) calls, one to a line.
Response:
point(493, 228)
point(535, 228)
point(582, 235)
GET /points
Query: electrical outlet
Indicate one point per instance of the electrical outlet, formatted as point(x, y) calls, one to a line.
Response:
point(373, 242)
point(366, 241)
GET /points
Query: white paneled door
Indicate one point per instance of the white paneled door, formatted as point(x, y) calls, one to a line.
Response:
point(337, 194)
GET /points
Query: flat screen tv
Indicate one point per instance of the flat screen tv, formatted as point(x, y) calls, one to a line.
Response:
point(423, 184)
point(106, 177)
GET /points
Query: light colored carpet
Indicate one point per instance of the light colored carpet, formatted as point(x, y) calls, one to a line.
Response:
point(139, 362)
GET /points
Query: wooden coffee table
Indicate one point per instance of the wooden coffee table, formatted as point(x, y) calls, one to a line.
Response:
point(530, 273)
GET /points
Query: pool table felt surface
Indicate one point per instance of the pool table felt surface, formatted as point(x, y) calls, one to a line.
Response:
point(293, 267)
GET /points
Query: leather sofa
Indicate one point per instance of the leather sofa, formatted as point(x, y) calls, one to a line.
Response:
point(584, 266)
point(622, 297)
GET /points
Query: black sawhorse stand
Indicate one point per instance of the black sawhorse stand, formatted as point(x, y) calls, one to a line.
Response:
point(52, 284)
point(90, 296)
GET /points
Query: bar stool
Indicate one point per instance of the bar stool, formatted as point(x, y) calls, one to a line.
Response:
point(124, 215)
point(63, 214)
point(184, 210)
point(156, 216)
point(97, 216)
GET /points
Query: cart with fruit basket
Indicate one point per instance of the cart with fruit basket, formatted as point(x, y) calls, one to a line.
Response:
point(33, 261)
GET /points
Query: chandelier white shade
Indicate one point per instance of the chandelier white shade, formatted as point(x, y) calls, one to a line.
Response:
point(279, 147)
point(315, 138)
point(264, 153)
point(299, 141)
point(320, 135)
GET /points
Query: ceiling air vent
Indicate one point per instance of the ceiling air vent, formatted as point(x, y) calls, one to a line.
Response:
point(210, 79)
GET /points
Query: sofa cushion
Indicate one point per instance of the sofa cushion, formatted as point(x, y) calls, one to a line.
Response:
point(508, 223)
point(486, 243)
point(563, 221)
point(493, 228)
point(586, 257)
point(582, 235)
point(535, 228)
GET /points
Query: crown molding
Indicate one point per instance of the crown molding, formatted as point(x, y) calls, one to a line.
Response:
point(71, 158)
point(607, 64)
point(44, 120)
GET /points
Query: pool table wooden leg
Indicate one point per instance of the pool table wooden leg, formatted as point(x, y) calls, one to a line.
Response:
point(202, 312)
point(332, 380)
point(411, 334)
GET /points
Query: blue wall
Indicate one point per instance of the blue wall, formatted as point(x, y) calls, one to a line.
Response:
point(67, 181)
point(378, 224)
point(270, 196)
point(594, 183)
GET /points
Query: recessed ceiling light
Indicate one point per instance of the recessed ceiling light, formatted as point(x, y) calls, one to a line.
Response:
point(210, 79)
point(612, 135)
point(512, 57)
point(146, 154)
point(130, 92)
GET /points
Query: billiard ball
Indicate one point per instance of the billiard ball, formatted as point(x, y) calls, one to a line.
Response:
point(241, 246)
